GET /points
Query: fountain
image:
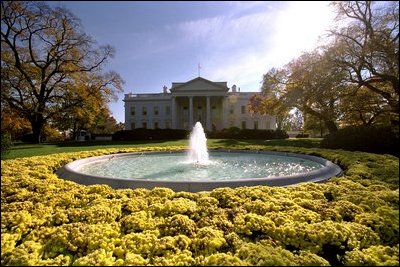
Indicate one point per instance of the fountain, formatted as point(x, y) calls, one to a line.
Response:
point(199, 170)
point(198, 145)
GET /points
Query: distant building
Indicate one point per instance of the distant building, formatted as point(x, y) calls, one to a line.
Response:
point(199, 99)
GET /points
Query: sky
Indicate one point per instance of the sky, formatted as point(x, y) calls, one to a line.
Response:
point(161, 42)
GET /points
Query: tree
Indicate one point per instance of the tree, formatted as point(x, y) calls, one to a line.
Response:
point(106, 125)
point(94, 94)
point(296, 120)
point(364, 107)
point(314, 125)
point(310, 83)
point(368, 48)
point(270, 100)
point(13, 124)
point(315, 87)
point(44, 53)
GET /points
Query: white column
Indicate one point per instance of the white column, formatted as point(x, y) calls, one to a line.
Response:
point(190, 112)
point(128, 117)
point(208, 117)
point(173, 113)
point(223, 114)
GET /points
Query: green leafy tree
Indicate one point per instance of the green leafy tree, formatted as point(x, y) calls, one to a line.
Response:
point(44, 53)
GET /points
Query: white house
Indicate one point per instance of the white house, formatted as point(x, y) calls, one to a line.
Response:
point(211, 103)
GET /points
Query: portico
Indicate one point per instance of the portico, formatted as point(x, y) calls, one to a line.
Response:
point(198, 100)
point(187, 110)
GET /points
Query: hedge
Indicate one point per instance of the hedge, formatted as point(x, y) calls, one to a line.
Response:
point(364, 138)
point(150, 134)
point(237, 133)
point(349, 220)
point(6, 144)
point(174, 134)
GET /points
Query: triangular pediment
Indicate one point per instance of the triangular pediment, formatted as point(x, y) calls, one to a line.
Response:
point(199, 84)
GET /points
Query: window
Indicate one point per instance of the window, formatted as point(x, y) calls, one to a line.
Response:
point(268, 125)
point(213, 107)
point(243, 109)
point(133, 111)
point(144, 125)
point(255, 125)
point(144, 111)
point(167, 110)
point(231, 111)
point(168, 124)
point(155, 110)
point(243, 124)
point(133, 125)
point(156, 125)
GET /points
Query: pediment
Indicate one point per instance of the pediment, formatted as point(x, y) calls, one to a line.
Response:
point(199, 84)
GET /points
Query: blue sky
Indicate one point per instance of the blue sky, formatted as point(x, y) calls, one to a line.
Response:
point(161, 42)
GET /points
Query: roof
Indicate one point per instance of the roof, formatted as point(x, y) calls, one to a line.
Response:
point(199, 80)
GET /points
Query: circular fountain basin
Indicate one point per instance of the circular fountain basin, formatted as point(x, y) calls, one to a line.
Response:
point(225, 168)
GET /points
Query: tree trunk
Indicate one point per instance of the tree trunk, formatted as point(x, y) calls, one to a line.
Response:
point(74, 131)
point(37, 123)
point(394, 115)
point(332, 128)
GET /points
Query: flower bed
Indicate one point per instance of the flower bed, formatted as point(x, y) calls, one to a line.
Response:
point(350, 220)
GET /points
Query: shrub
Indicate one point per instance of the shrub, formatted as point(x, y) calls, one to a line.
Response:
point(27, 138)
point(6, 144)
point(364, 138)
point(349, 220)
point(236, 133)
point(52, 135)
point(302, 135)
point(149, 134)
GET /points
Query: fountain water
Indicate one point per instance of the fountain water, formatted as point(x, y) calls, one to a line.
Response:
point(198, 145)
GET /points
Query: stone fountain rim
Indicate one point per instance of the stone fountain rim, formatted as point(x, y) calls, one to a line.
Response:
point(328, 170)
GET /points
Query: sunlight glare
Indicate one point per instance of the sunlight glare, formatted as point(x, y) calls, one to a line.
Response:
point(298, 27)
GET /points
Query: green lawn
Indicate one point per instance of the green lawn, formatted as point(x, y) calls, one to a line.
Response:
point(20, 150)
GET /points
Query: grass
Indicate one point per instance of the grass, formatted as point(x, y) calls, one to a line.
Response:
point(21, 150)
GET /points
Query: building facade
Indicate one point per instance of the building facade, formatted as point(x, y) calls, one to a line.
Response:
point(212, 103)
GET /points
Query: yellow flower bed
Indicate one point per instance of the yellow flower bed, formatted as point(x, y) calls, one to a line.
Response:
point(350, 220)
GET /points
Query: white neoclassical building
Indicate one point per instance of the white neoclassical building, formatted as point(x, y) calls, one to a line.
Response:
point(212, 103)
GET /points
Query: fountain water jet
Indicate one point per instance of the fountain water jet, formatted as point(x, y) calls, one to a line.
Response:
point(198, 145)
